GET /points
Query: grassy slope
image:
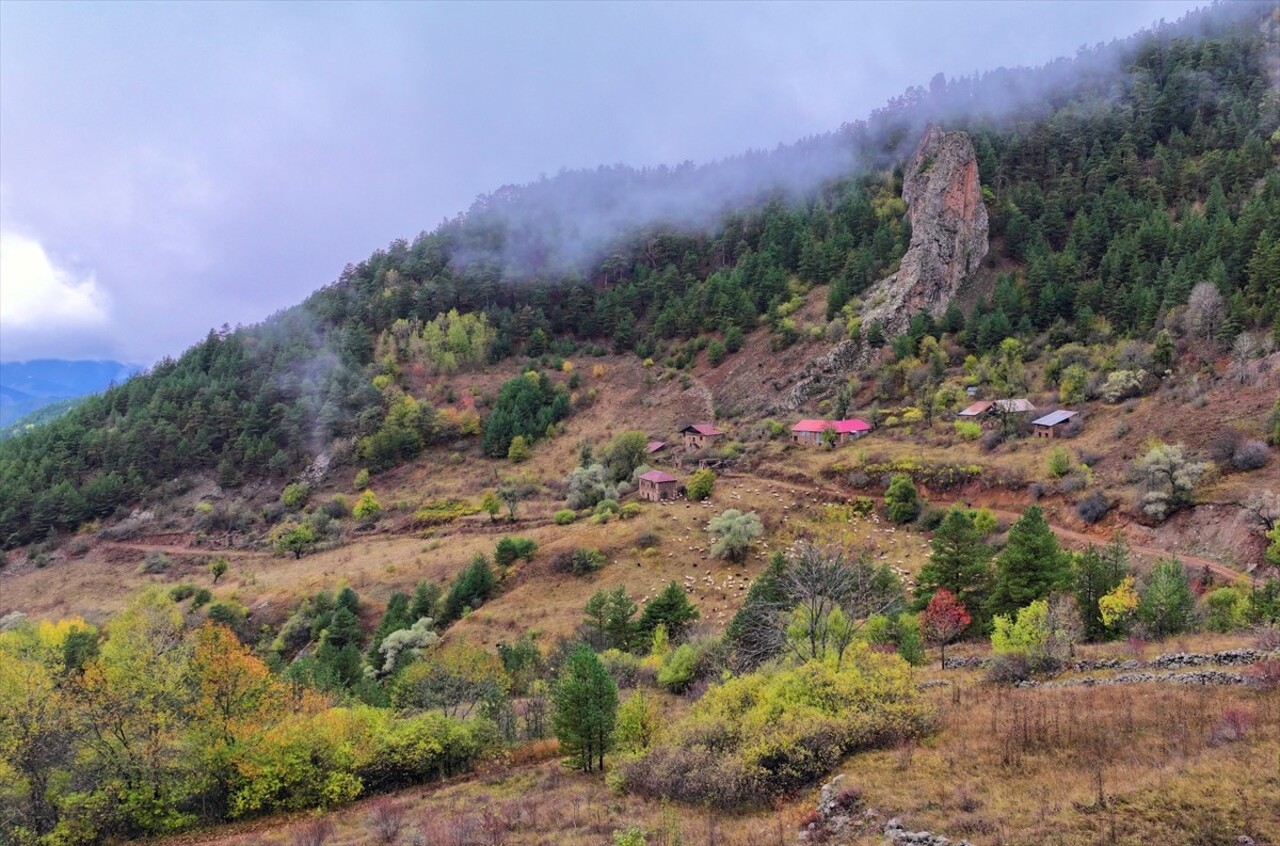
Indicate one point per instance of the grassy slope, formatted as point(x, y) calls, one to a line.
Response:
point(1005, 766)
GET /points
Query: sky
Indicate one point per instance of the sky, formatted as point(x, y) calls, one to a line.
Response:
point(170, 168)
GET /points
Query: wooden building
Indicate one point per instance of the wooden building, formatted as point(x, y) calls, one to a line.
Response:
point(1050, 426)
point(990, 412)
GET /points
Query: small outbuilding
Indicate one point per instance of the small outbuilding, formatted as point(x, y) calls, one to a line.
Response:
point(977, 409)
point(656, 486)
point(699, 435)
point(654, 446)
point(1050, 426)
point(991, 412)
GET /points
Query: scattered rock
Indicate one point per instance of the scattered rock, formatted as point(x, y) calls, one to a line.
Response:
point(895, 832)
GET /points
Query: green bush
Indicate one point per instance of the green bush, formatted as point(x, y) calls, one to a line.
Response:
point(1228, 610)
point(182, 591)
point(630, 510)
point(765, 734)
point(862, 506)
point(519, 451)
point(579, 562)
point(296, 495)
point(441, 512)
point(700, 485)
point(367, 507)
point(968, 430)
point(511, 548)
point(565, 516)
point(1059, 462)
point(901, 499)
point(679, 669)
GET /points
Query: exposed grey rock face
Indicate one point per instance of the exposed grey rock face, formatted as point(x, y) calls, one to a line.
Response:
point(948, 232)
point(1167, 661)
point(818, 375)
point(948, 241)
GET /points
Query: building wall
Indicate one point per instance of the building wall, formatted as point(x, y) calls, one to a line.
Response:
point(654, 492)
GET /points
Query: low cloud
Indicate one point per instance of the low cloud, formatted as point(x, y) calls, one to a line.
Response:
point(39, 297)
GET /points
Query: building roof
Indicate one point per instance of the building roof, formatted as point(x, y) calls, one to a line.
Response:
point(657, 477)
point(1055, 418)
point(654, 446)
point(702, 429)
point(812, 426)
point(851, 426)
point(979, 407)
point(1015, 405)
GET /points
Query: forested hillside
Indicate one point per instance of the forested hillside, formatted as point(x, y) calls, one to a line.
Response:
point(1115, 183)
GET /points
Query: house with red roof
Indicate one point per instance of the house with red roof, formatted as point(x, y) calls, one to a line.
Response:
point(699, 435)
point(656, 486)
point(810, 431)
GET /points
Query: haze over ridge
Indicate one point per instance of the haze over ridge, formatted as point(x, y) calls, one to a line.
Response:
point(164, 169)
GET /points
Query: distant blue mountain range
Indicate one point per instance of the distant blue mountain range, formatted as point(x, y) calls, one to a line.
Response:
point(27, 386)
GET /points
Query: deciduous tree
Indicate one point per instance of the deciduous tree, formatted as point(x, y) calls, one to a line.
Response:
point(943, 620)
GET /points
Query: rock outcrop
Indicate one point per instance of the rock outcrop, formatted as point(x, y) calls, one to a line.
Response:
point(948, 232)
point(948, 241)
point(897, 834)
point(817, 376)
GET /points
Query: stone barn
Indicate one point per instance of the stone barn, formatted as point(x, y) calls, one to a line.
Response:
point(699, 435)
point(656, 486)
point(809, 431)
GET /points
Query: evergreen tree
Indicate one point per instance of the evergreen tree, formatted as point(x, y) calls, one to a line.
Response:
point(426, 601)
point(671, 608)
point(586, 709)
point(1030, 567)
point(751, 634)
point(901, 499)
point(1097, 573)
point(1167, 606)
point(396, 617)
point(619, 621)
point(960, 562)
point(470, 589)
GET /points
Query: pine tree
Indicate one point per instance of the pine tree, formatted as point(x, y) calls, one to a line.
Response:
point(751, 634)
point(1031, 566)
point(1167, 606)
point(396, 617)
point(960, 562)
point(671, 608)
point(1097, 573)
point(901, 499)
point(619, 621)
point(426, 601)
point(470, 589)
point(586, 709)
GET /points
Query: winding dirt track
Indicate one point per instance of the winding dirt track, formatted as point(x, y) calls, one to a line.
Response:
point(1146, 551)
point(1073, 537)
point(1068, 536)
point(210, 551)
